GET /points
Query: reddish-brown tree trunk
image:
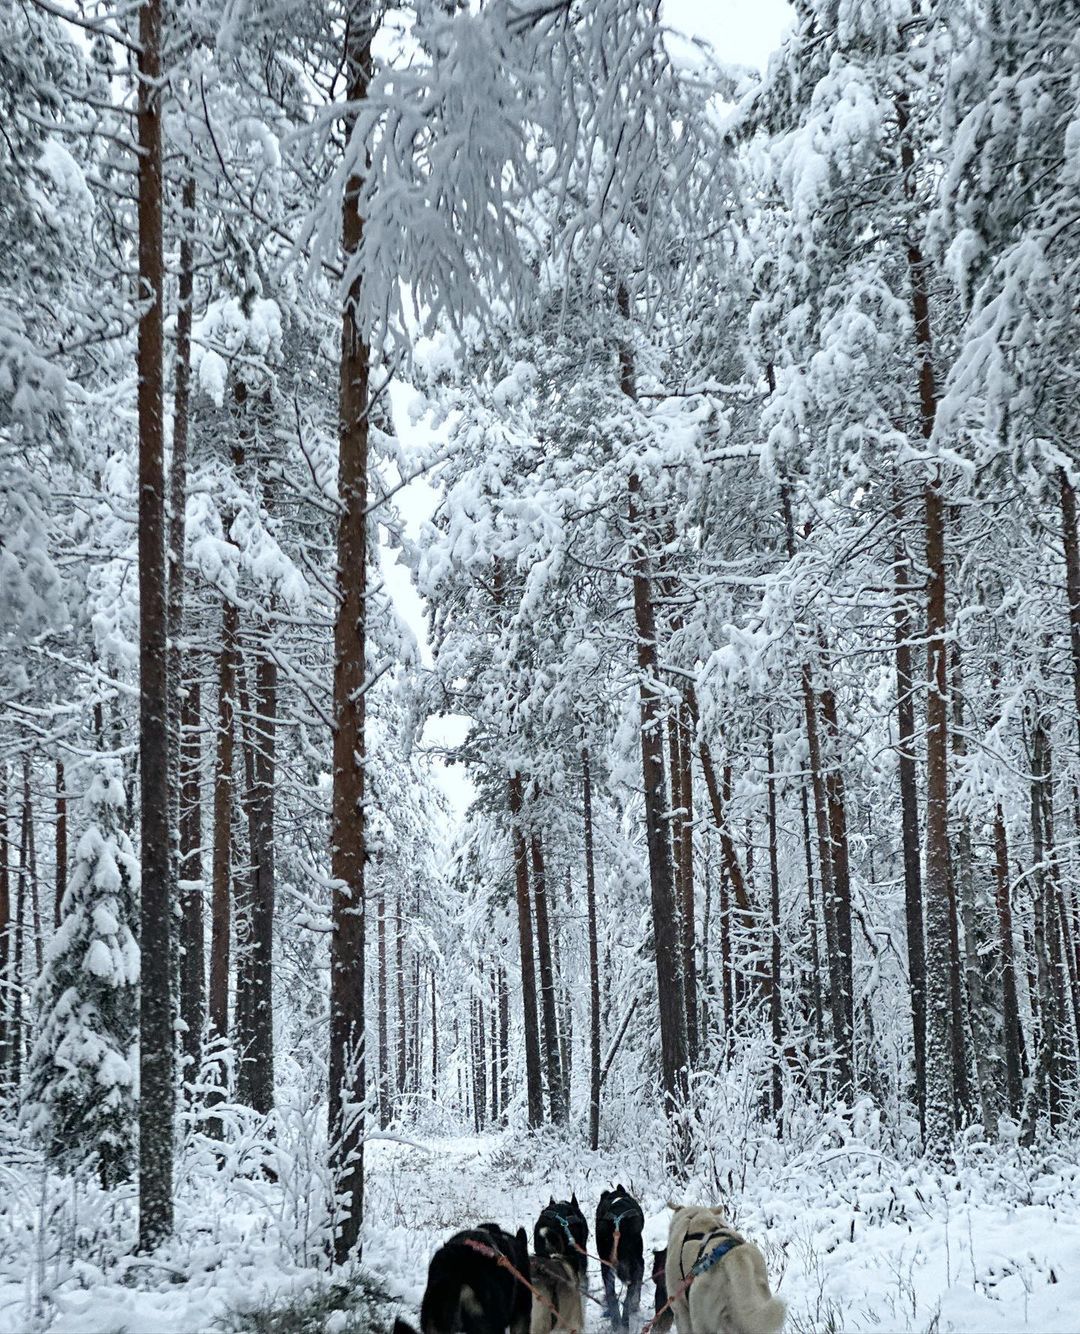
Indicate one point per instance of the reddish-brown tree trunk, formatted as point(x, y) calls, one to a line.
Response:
point(530, 1021)
point(31, 866)
point(686, 875)
point(224, 782)
point(381, 1008)
point(399, 944)
point(176, 567)
point(839, 906)
point(940, 1092)
point(594, 955)
point(775, 1011)
point(61, 843)
point(5, 930)
point(549, 1019)
point(504, 1035)
point(909, 807)
point(156, 1041)
point(190, 882)
point(348, 818)
point(672, 1010)
point(18, 949)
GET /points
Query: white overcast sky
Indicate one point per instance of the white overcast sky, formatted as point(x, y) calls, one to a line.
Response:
point(742, 32)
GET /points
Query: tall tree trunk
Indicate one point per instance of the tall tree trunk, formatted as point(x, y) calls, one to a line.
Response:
point(263, 882)
point(1072, 578)
point(686, 875)
point(493, 1046)
point(190, 882)
point(909, 806)
point(1015, 1061)
point(31, 867)
point(5, 932)
point(61, 843)
point(550, 1030)
point(156, 1086)
point(504, 1035)
point(530, 1021)
point(1043, 1088)
point(940, 1089)
point(566, 1008)
point(826, 869)
point(399, 952)
point(839, 908)
point(665, 933)
point(176, 566)
point(382, 1017)
point(18, 948)
point(736, 880)
point(434, 1042)
point(348, 819)
point(224, 782)
point(705, 1020)
point(811, 899)
point(774, 923)
point(594, 956)
point(479, 1063)
point(940, 1123)
point(978, 1002)
point(1052, 939)
point(727, 988)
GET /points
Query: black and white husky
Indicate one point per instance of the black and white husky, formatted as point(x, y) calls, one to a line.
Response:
point(619, 1225)
point(561, 1230)
point(470, 1292)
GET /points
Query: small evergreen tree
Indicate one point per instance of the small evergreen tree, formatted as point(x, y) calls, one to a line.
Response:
point(81, 1092)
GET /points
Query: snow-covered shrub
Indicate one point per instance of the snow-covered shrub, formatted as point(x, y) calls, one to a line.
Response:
point(81, 1087)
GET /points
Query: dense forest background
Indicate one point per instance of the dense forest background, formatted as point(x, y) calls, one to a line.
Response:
point(724, 424)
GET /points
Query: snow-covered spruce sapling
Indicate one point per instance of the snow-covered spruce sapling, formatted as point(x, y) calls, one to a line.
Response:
point(81, 1086)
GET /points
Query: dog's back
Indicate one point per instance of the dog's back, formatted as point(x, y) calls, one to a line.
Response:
point(619, 1227)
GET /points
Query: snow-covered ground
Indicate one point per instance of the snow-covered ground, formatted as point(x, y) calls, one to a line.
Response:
point(854, 1239)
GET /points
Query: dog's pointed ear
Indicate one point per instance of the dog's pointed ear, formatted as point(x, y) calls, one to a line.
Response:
point(573, 1199)
point(522, 1238)
point(551, 1201)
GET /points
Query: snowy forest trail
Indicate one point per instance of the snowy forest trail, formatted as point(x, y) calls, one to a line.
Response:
point(854, 1240)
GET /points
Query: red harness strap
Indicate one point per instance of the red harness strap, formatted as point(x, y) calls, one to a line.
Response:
point(492, 1254)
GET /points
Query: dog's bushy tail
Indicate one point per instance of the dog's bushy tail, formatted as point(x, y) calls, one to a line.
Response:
point(441, 1309)
point(768, 1318)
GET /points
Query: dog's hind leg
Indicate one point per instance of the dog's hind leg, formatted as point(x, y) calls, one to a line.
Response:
point(611, 1300)
point(633, 1301)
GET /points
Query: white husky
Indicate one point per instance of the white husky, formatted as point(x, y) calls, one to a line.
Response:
point(731, 1293)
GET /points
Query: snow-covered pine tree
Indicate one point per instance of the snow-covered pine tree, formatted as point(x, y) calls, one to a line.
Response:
point(81, 1082)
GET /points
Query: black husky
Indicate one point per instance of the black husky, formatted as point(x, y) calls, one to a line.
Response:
point(469, 1292)
point(561, 1230)
point(619, 1224)
point(661, 1323)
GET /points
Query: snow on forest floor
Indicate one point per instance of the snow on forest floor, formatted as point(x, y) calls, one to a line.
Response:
point(854, 1239)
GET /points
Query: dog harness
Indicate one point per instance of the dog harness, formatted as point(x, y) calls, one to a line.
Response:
point(707, 1259)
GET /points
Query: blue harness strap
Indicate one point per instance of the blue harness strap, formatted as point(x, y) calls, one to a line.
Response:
point(707, 1259)
point(564, 1222)
point(713, 1257)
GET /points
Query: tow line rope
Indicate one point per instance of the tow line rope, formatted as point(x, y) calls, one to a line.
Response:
point(492, 1254)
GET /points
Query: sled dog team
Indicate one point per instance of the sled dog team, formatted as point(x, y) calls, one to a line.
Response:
point(710, 1280)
